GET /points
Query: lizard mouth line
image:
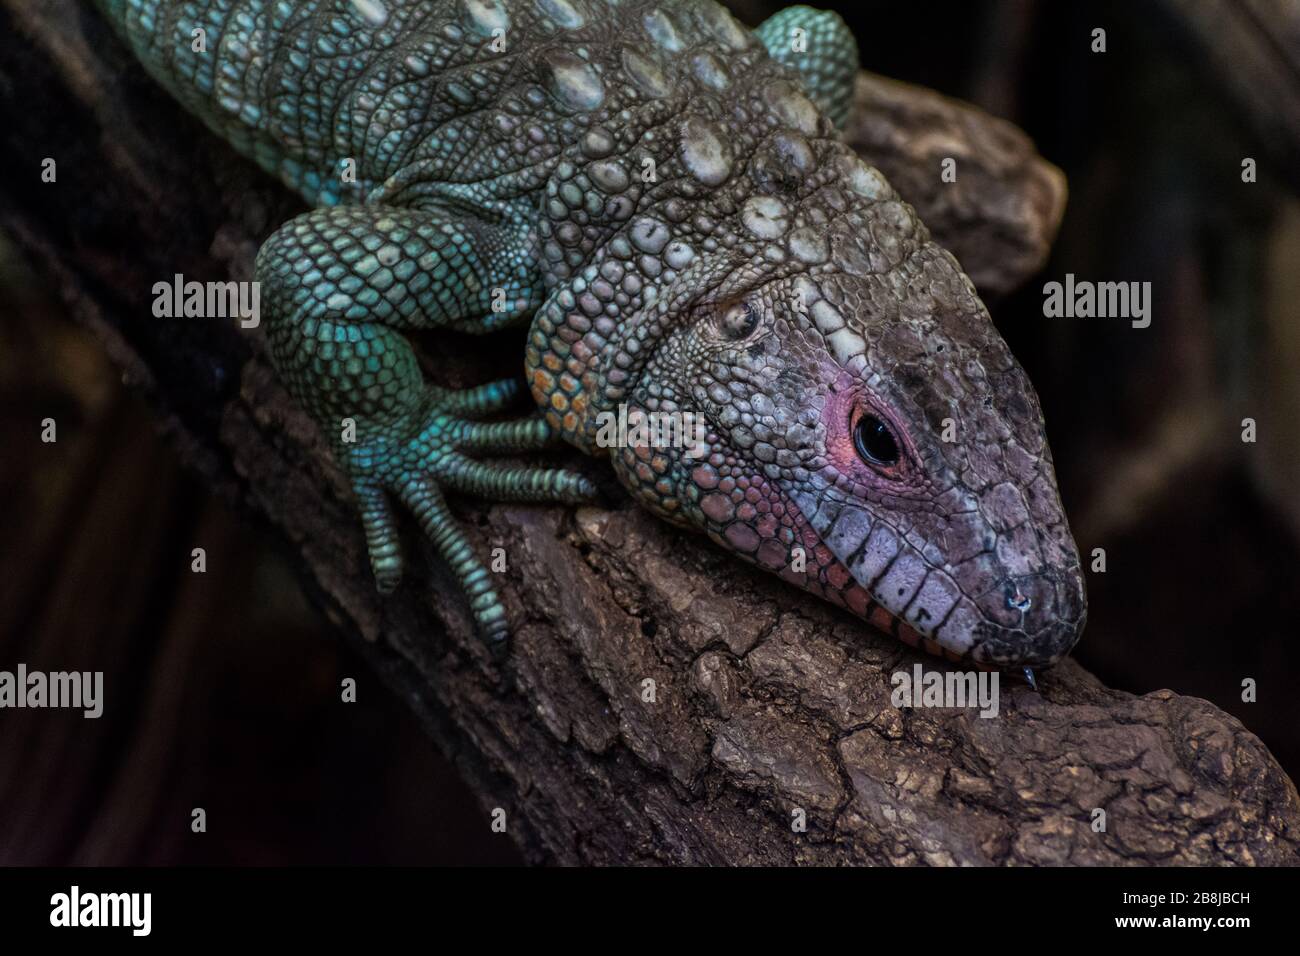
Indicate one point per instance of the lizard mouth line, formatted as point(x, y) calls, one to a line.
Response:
point(830, 578)
point(916, 602)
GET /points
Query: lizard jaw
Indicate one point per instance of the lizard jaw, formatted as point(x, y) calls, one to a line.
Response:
point(768, 543)
point(1031, 620)
point(833, 549)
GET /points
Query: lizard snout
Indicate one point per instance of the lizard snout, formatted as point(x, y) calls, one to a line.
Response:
point(1031, 621)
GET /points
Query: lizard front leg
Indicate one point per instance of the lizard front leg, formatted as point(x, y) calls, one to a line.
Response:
point(341, 286)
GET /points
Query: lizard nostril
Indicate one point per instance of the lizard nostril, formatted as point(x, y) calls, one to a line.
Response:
point(1018, 602)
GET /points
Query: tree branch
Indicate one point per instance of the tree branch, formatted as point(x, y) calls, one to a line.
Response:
point(766, 701)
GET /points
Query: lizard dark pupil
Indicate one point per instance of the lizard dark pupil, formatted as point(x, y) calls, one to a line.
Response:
point(739, 321)
point(875, 442)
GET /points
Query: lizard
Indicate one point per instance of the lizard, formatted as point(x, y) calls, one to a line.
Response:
point(661, 198)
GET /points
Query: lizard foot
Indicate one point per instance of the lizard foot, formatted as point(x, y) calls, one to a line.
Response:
point(417, 464)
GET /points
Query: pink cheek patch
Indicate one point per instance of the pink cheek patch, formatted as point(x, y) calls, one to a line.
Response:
point(847, 402)
point(837, 419)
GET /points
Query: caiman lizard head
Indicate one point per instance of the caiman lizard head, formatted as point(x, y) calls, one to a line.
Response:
point(867, 434)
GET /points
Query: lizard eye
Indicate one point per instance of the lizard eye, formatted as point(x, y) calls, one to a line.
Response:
point(739, 321)
point(874, 442)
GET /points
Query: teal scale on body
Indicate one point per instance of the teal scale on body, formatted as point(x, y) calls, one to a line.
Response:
point(664, 196)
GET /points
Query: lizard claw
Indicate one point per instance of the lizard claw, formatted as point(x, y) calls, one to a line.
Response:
point(417, 470)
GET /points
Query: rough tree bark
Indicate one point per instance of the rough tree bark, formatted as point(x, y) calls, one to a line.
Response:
point(766, 701)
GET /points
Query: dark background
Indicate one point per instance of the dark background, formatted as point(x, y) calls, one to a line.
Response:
point(236, 699)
